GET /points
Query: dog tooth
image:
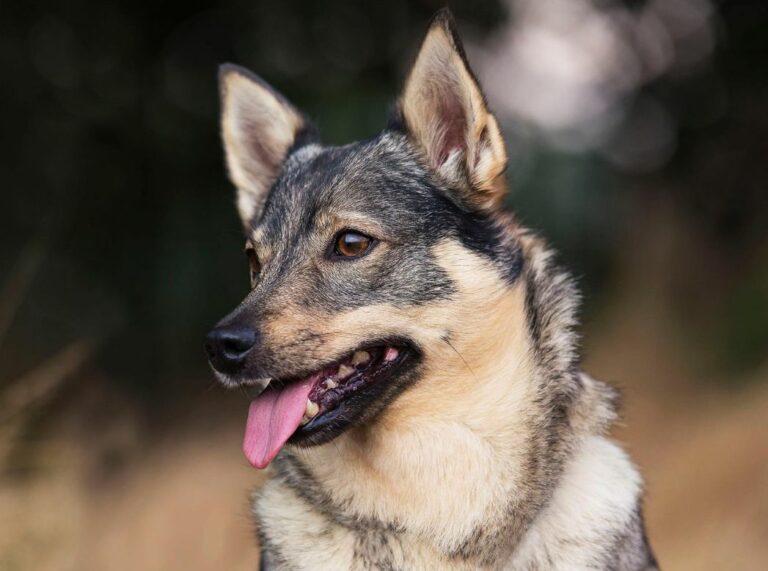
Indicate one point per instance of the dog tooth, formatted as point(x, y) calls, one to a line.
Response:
point(391, 354)
point(360, 357)
point(331, 384)
point(263, 383)
point(312, 408)
point(344, 372)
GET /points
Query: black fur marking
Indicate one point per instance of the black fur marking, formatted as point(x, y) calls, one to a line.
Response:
point(629, 550)
point(296, 476)
point(265, 563)
point(395, 120)
point(653, 564)
point(307, 135)
point(532, 311)
point(270, 557)
point(373, 551)
point(486, 237)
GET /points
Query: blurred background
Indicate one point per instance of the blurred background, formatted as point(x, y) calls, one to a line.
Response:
point(637, 132)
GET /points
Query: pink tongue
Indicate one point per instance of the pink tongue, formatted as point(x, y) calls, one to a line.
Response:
point(272, 417)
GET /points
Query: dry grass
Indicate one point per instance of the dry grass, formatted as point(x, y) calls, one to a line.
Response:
point(703, 452)
point(123, 498)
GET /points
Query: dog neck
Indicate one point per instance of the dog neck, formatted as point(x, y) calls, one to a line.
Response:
point(462, 463)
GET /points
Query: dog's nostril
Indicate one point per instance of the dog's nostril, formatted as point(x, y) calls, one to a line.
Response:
point(227, 346)
point(236, 345)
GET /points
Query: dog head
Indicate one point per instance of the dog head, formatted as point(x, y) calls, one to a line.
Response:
point(354, 251)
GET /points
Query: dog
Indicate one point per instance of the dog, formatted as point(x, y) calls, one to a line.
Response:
point(410, 349)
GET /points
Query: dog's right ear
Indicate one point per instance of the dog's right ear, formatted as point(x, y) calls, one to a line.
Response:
point(259, 127)
point(446, 116)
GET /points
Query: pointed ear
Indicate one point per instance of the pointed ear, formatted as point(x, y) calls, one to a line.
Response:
point(259, 127)
point(445, 114)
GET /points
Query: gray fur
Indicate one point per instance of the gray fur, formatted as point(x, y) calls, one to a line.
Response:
point(554, 493)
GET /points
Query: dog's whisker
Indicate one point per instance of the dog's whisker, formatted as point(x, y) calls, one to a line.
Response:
point(461, 357)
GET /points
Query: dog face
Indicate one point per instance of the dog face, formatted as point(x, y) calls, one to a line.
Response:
point(353, 249)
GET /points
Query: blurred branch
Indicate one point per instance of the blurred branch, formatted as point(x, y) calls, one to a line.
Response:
point(37, 387)
point(17, 286)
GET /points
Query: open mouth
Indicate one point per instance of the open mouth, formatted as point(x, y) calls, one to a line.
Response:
point(316, 407)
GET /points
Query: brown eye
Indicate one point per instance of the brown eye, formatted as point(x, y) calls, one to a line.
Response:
point(352, 244)
point(253, 263)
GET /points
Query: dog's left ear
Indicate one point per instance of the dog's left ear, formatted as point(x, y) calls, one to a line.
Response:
point(445, 113)
point(259, 127)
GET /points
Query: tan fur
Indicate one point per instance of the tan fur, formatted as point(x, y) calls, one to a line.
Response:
point(441, 420)
point(445, 417)
point(258, 129)
point(475, 406)
point(439, 81)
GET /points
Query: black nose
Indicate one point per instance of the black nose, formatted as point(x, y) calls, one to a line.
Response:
point(228, 346)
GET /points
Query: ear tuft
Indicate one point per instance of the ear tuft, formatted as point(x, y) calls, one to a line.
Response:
point(445, 113)
point(259, 127)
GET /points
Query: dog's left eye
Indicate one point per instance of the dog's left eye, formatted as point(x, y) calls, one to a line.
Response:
point(352, 244)
point(253, 263)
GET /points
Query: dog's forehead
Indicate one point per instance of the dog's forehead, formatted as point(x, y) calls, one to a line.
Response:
point(380, 179)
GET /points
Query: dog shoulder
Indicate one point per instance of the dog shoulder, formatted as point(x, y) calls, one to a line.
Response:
point(594, 518)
